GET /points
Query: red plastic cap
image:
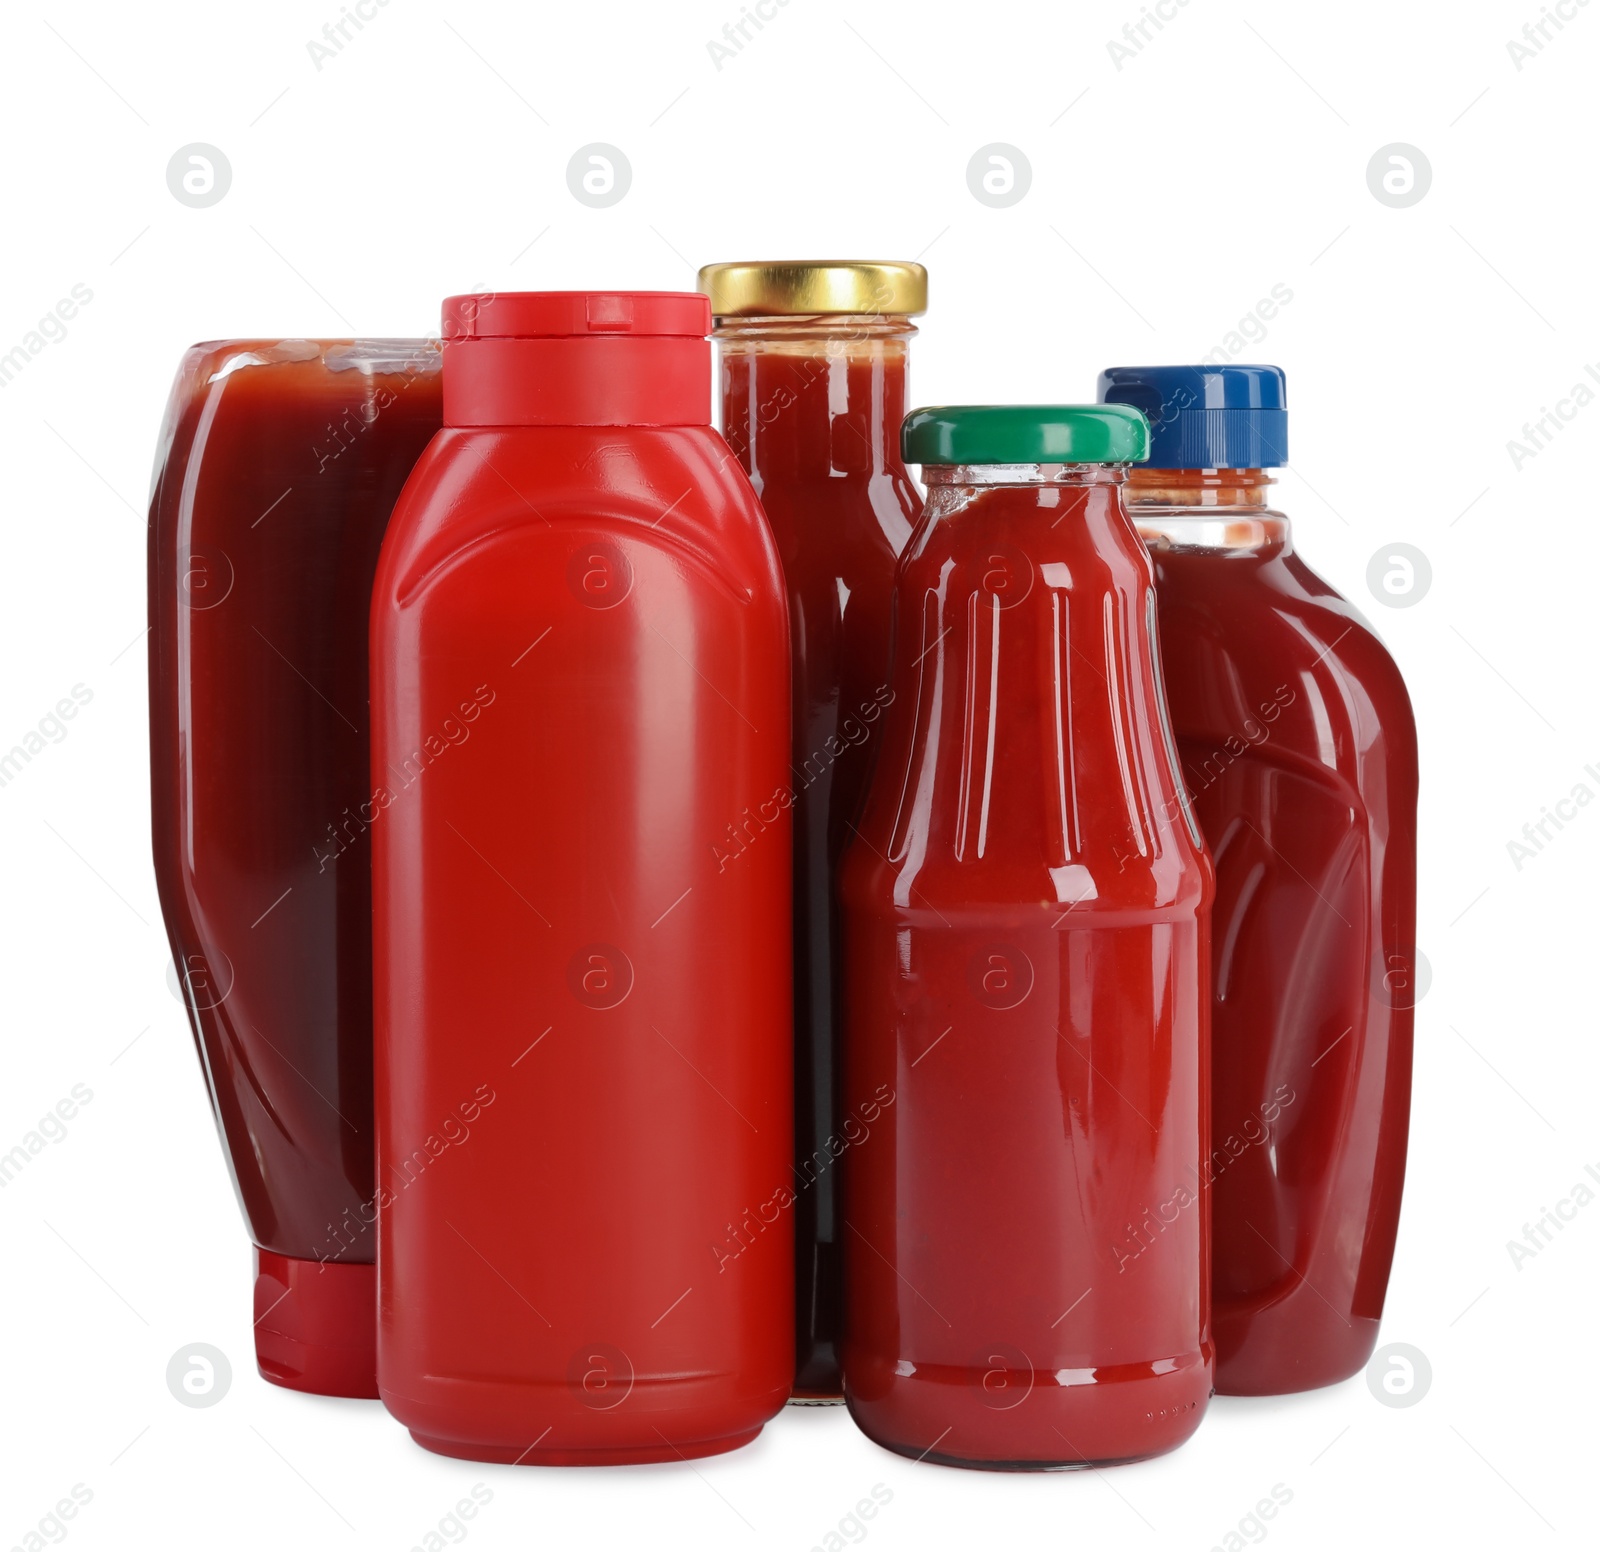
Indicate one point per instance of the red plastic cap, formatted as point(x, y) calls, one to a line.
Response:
point(560, 314)
point(577, 358)
point(317, 1324)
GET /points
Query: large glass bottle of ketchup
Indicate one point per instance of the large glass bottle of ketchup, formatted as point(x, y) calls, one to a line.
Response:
point(1300, 752)
point(580, 681)
point(278, 464)
point(813, 393)
point(1026, 914)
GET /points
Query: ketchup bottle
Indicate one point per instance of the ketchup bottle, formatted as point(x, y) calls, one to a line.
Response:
point(584, 1093)
point(1026, 915)
point(278, 464)
point(1300, 752)
point(813, 392)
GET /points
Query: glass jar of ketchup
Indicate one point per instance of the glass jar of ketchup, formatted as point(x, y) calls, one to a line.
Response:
point(1026, 913)
point(813, 392)
point(1300, 752)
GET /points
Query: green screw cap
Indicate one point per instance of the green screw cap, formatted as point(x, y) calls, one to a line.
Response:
point(1025, 433)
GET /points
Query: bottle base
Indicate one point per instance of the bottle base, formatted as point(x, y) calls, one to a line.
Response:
point(817, 1377)
point(609, 1455)
point(948, 1416)
point(548, 1421)
point(316, 1325)
point(1267, 1356)
point(965, 1463)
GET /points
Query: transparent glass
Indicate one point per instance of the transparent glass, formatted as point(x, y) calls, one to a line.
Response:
point(812, 407)
point(1026, 908)
point(1205, 508)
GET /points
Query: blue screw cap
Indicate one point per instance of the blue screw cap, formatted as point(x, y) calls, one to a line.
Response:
point(1206, 417)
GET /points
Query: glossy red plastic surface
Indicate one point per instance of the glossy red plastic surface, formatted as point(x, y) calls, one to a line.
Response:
point(813, 408)
point(577, 358)
point(482, 315)
point(580, 688)
point(1299, 747)
point(278, 464)
point(316, 1324)
point(1026, 912)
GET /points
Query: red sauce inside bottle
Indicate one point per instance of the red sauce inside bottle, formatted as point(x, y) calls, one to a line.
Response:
point(1026, 915)
point(278, 466)
point(1299, 748)
point(812, 406)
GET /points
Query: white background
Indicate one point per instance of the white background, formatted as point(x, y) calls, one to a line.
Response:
point(428, 156)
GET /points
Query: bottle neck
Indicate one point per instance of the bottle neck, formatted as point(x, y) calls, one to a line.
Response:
point(815, 398)
point(577, 380)
point(957, 479)
point(1205, 508)
point(966, 501)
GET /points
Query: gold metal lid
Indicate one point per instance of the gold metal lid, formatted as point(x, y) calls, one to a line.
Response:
point(747, 290)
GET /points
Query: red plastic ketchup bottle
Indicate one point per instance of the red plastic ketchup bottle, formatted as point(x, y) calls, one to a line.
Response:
point(278, 465)
point(1300, 753)
point(813, 393)
point(1026, 916)
point(584, 1092)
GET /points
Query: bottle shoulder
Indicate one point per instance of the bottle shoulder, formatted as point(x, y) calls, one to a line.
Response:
point(1270, 599)
point(1254, 642)
point(556, 468)
point(484, 491)
point(1024, 756)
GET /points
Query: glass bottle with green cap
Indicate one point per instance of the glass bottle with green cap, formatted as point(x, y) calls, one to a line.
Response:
point(813, 392)
point(1026, 909)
